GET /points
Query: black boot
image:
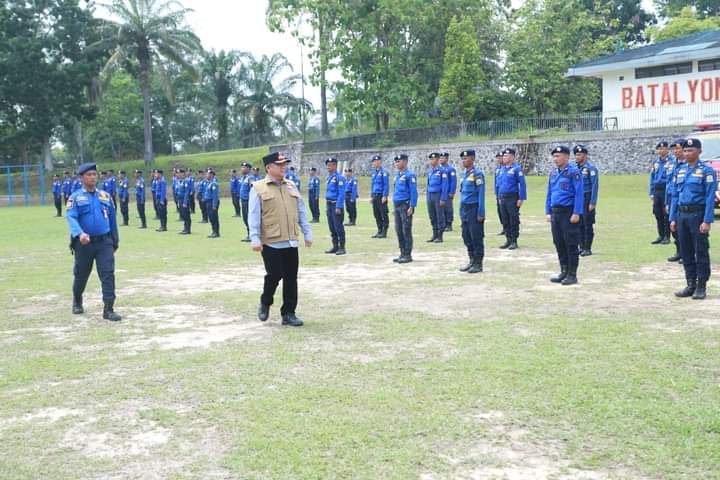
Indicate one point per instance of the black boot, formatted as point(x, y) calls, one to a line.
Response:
point(477, 265)
point(439, 237)
point(665, 241)
point(291, 320)
point(341, 249)
point(402, 255)
point(214, 235)
point(561, 276)
point(263, 312)
point(513, 245)
point(406, 258)
point(657, 241)
point(449, 227)
point(571, 277)
point(676, 257)
point(333, 250)
point(507, 243)
point(471, 262)
point(700, 290)
point(109, 314)
point(688, 291)
point(77, 307)
point(433, 237)
point(377, 235)
point(383, 233)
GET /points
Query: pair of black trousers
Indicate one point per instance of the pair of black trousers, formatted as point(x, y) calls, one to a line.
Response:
point(185, 216)
point(511, 215)
point(694, 246)
point(213, 216)
point(314, 201)
point(281, 264)
point(101, 253)
point(245, 207)
point(566, 237)
point(380, 211)
point(58, 205)
point(124, 210)
point(141, 213)
point(403, 227)
point(236, 203)
point(662, 220)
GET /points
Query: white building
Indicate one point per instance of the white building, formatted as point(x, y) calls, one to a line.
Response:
point(671, 83)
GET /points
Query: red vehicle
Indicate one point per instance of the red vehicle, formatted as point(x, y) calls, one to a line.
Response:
point(709, 135)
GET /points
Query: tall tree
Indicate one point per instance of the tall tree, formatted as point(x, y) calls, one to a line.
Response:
point(149, 32)
point(687, 21)
point(220, 71)
point(704, 8)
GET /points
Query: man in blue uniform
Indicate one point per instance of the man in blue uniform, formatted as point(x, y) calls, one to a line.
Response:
point(472, 212)
point(245, 182)
point(498, 170)
point(451, 173)
point(57, 194)
point(314, 195)
point(161, 199)
point(660, 172)
point(190, 181)
point(351, 196)
point(294, 178)
point(77, 183)
point(67, 187)
point(235, 191)
point(124, 195)
point(692, 214)
point(591, 184)
point(256, 175)
point(335, 206)
point(183, 199)
point(564, 207)
point(212, 203)
point(380, 189)
point(113, 187)
point(437, 197)
point(93, 238)
point(201, 189)
point(107, 183)
point(405, 198)
point(175, 186)
point(140, 197)
point(677, 147)
point(512, 191)
point(153, 191)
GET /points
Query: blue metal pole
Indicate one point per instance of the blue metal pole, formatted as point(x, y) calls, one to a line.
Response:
point(42, 184)
point(26, 186)
point(9, 177)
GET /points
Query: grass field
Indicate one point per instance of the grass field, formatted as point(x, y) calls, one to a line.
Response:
point(413, 371)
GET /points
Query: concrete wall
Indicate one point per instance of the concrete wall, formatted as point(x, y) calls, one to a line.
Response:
point(612, 152)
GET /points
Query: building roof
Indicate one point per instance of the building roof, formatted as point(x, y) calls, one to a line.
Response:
point(697, 46)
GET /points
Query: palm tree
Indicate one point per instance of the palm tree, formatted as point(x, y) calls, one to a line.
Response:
point(264, 103)
point(219, 69)
point(149, 32)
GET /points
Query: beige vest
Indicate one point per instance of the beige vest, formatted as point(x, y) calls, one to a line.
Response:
point(279, 210)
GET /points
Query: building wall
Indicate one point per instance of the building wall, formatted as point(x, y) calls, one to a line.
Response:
point(672, 100)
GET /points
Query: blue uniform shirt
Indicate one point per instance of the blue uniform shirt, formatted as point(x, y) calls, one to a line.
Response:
point(191, 184)
point(183, 191)
point(212, 193)
point(671, 190)
point(498, 171)
point(661, 172)
point(57, 188)
point(175, 185)
point(452, 178)
point(405, 188)
point(314, 186)
point(161, 190)
point(92, 214)
point(351, 189)
point(695, 186)
point(565, 189)
point(113, 184)
point(244, 185)
point(335, 189)
point(67, 186)
point(472, 189)
point(591, 180)
point(107, 186)
point(140, 190)
point(123, 190)
point(153, 187)
point(438, 182)
point(201, 189)
point(293, 178)
point(234, 185)
point(77, 185)
point(512, 180)
point(380, 182)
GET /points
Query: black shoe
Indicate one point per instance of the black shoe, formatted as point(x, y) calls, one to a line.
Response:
point(142, 227)
point(333, 250)
point(236, 216)
point(448, 228)
point(161, 229)
point(263, 312)
point(686, 292)
point(383, 234)
point(203, 221)
point(377, 235)
point(585, 253)
point(502, 234)
point(476, 267)
point(570, 279)
point(77, 308)
point(674, 258)
point(439, 237)
point(561, 276)
point(246, 239)
point(657, 241)
point(506, 244)
point(341, 251)
point(405, 259)
point(432, 240)
point(665, 241)
point(467, 267)
point(184, 232)
point(109, 314)
point(214, 235)
point(700, 293)
point(512, 246)
point(291, 320)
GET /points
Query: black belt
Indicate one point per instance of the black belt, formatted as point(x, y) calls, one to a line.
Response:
point(691, 208)
point(660, 186)
point(509, 195)
point(330, 201)
point(562, 209)
point(100, 238)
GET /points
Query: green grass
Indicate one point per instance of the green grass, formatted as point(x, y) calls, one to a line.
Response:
point(390, 372)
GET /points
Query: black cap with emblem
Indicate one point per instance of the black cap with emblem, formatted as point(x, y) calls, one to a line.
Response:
point(692, 143)
point(561, 149)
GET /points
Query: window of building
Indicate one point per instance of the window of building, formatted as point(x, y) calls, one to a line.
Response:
point(664, 70)
point(707, 65)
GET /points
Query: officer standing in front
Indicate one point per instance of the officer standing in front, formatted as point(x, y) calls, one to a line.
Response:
point(351, 196)
point(67, 187)
point(335, 206)
point(183, 199)
point(57, 194)
point(76, 184)
point(564, 207)
point(498, 171)
point(405, 198)
point(161, 199)
point(314, 195)
point(235, 191)
point(124, 196)
point(512, 191)
point(212, 203)
point(113, 187)
point(677, 147)
point(245, 182)
point(437, 197)
point(472, 212)
point(140, 197)
point(201, 188)
point(153, 191)
point(661, 169)
point(691, 215)
point(94, 237)
point(380, 191)
point(591, 184)
point(451, 173)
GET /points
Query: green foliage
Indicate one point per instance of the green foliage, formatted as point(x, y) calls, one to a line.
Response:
point(687, 21)
point(705, 8)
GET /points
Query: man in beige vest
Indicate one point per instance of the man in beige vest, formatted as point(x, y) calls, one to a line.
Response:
point(277, 214)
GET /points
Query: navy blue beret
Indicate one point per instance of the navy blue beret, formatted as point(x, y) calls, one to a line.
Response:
point(467, 153)
point(445, 154)
point(434, 155)
point(313, 169)
point(246, 164)
point(509, 151)
point(138, 171)
point(402, 156)
point(375, 157)
point(580, 149)
point(561, 149)
point(331, 160)
point(498, 154)
point(692, 143)
point(679, 142)
point(661, 144)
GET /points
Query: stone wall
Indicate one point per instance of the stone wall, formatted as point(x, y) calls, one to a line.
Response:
point(612, 152)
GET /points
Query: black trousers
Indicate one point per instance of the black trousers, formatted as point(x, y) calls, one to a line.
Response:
point(236, 203)
point(213, 216)
point(124, 210)
point(281, 264)
point(155, 207)
point(694, 246)
point(185, 217)
point(449, 211)
point(403, 227)
point(102, 254)
point(335, 222)
point(245, 213)
point(314, 202)
point(510, 215)
point(499, 212)
point(351, 208)
point(380, 211)
point(175, 199)
point(566, 237)
point(141, 213)
point(662, 220)
point(473, 231)
point(162, 213)
point(65, 199)
point(204, 212)
point(587, 225)
point(114, 197)
point(58, 204)
point(191, 205)
point(436, 213)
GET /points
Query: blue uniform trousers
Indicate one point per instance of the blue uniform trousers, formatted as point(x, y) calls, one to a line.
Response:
point(566, 237)
point(141, 213)
point(436, 212)
point(403, 227)
point(314, 203)
point(694, 246)
point(449, 212)
point(335, 222)
point(100, 251)
point(380, 211)
point(213, 216)
point(510, 215)
point(245, 207)
point(473, 232)
point(661, 218)
point(351, 207)
point(587, 224)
